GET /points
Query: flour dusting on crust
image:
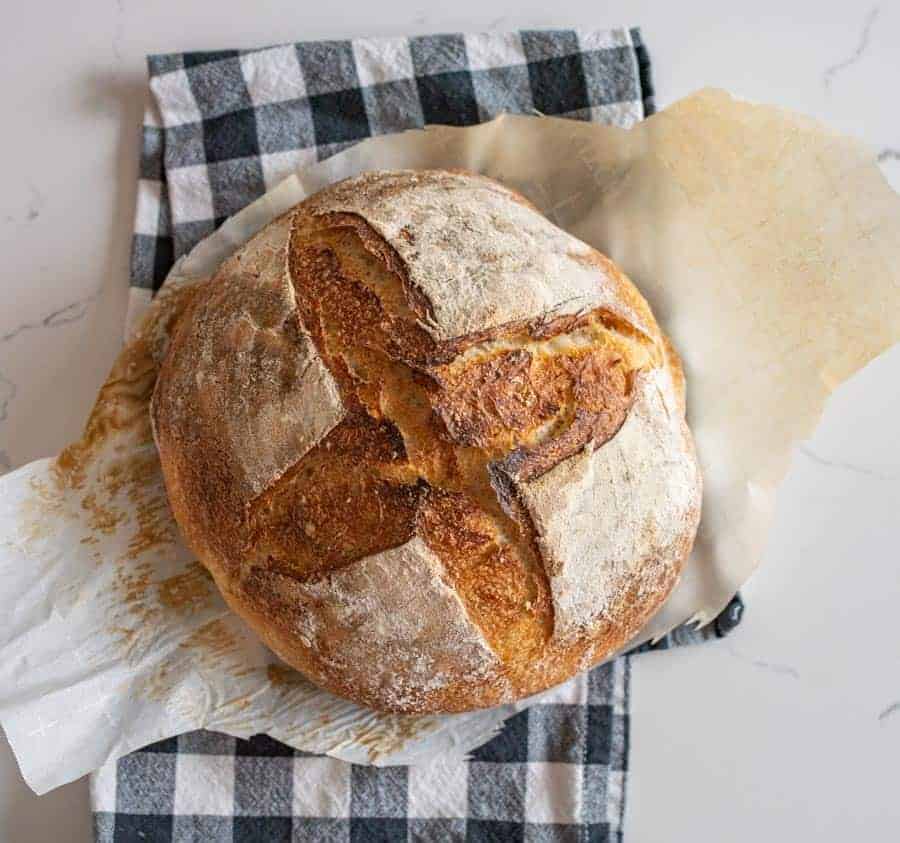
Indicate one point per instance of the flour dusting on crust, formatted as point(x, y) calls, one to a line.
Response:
point(431, 447)
point(619, 511)
point(252, 383)
point(480, 254)
point(391, 621)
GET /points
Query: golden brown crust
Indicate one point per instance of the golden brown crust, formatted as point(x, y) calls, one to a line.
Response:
point(376, 494)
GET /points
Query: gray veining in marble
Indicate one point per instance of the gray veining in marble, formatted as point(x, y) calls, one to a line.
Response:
point(7, 393)
point(888, 154)
point(772, 667)
point(843, 466)
point(857, 54)
point(118, 30)
point(893, 708)
point(33, 208)
point(64, 315)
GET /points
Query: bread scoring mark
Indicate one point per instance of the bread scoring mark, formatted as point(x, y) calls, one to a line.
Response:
point(344, 295)
point(552, 335)
point(622, 513)
point(480, 254)
point(404, 301)
point(239, 375)
point(293, 525)
point(530, 393)
point(538, 399)
point(504, 597)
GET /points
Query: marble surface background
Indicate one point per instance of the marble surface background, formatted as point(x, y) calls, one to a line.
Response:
point(790, 729)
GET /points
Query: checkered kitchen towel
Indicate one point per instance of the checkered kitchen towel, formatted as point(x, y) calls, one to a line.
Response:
point(224, 128)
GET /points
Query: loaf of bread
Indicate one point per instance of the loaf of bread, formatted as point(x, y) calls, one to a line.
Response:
point(431, 447)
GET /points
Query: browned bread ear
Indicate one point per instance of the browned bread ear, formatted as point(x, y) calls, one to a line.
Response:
point(431, 447)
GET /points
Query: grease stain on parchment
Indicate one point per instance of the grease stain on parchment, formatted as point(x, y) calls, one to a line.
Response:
point(390, 734)
point(380, 734)
point(135, 619)
point(41, 513)
point(187, 592)
point(101, 518)
point(155, 522)
point(282, 675)
point(212, 643)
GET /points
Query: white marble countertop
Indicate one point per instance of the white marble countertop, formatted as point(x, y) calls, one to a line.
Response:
point(789, 729)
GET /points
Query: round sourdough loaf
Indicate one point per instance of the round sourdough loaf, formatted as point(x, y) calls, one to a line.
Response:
point(431, 447)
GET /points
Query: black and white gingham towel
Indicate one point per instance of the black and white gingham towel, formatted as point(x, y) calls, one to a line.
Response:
point(229, 125)
point(224, 128)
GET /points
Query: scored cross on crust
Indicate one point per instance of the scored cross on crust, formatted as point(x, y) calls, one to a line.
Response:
point(430, 446)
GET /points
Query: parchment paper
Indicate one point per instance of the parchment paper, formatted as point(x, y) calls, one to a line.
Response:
point(769, 249)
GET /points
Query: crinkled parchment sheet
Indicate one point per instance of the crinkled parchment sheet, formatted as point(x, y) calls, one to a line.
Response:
point(769, 249)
